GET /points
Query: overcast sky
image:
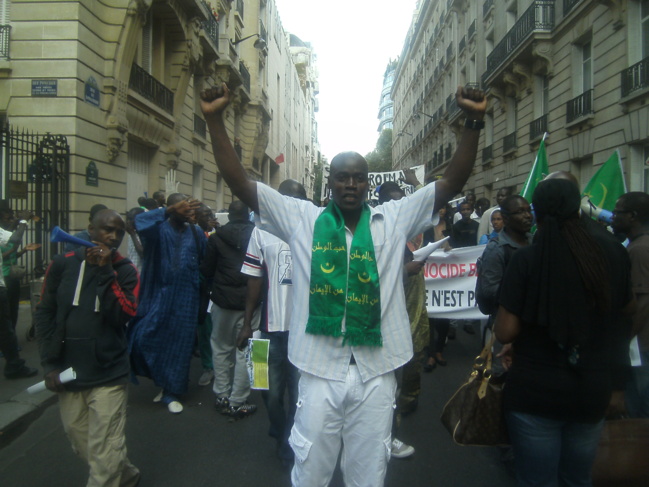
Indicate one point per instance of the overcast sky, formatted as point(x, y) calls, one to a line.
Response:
point(353, 41)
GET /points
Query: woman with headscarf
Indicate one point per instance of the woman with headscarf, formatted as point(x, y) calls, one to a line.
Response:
point(560, 306)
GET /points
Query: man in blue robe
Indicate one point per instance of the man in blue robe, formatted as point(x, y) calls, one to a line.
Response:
point(161, 336)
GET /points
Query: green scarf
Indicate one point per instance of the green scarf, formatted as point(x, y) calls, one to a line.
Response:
point(335, 290)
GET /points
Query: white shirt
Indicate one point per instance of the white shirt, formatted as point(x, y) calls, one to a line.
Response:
point(458, 216)
point(392, 225)
point(266, 250)
point(4, 240)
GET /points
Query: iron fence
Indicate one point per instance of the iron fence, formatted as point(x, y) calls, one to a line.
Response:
point(635, 78)
point(150, 88)
point(5, 34)
point(538, 127)
point(579, 106)
point(509, 142)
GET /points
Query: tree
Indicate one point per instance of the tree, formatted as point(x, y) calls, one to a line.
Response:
point(380, 159)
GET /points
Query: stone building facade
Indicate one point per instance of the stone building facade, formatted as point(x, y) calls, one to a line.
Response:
point(121, 81)
point(576, 69)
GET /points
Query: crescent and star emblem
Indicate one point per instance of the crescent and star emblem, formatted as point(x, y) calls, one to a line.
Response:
point(327, 271)
point(364, 280)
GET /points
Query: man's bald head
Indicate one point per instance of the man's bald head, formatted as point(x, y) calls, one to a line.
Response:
point(290, 187)
point(238, 211)
point(107, 227)
point(176, 198)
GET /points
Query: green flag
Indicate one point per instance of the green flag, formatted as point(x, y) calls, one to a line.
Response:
point(607, 185)
point(538, 172)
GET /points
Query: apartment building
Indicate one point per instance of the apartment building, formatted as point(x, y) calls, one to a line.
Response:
point(117, 85)
point(576, 69)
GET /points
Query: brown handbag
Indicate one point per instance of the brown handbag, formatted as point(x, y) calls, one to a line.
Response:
point(474, 415)
point(622, 454)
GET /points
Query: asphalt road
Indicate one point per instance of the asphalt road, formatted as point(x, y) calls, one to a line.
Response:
point(202, 448)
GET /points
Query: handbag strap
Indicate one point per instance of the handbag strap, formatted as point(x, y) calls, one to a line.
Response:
point(486, 357)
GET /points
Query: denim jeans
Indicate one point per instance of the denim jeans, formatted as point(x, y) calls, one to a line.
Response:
point(283, 377)
point(551, 453)
point(637, 391)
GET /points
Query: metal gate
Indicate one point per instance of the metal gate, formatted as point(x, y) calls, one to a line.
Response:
point(35, 170)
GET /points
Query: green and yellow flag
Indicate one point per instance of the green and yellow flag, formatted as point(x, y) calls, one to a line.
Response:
point(538, 172)
point(607, 185)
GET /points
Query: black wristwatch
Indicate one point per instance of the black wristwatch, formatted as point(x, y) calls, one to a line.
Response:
point(474, 124)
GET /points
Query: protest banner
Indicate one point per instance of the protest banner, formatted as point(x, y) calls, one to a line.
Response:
point(375, 179)
point(450, 283)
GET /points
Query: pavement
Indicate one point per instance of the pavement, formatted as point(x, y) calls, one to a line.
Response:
point(17, 407)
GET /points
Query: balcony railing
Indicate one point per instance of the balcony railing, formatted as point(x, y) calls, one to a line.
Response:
point(150, 88)
point(539, 17)
point(5, 31)
point(211, 27)
point(509, 142)
point(487, 154)
point(449, 52)
point(200, 127)
point(635, 78)
point(567, 6)
point(486, 6)
point(538, 127)
point(449, 152)
point(462, 44)
point(580, 106)
point(245, 74)
point(471, 30)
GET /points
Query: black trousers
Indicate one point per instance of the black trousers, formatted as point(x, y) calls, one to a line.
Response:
point(8, 340)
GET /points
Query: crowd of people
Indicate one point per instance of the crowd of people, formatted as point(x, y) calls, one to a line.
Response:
point(337, 293)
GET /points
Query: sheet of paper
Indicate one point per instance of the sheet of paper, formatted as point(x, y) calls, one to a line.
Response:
point(66, 376)
point(424, 252)
point(257, 361)
point(634, 352)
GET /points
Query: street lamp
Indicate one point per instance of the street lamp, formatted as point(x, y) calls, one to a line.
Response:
point(401, 134)
point(259, 43)
point(420, 112)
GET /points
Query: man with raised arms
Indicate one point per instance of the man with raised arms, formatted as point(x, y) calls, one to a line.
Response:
point(349, 326)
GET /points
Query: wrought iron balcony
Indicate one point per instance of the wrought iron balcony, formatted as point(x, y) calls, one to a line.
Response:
point(635, 78)
point(579, 106)
point(487, 154)
point(245, 74)
point(509, 142)
point(211, 27)
point(5, 31)
point(462, 44)
point(200, 127)
point(538, 127)
point(539, 17)
point(150, 88)
point(567, 6)
point(449, 152)
point(449, 52)
point(471, 30)
point(486, 7)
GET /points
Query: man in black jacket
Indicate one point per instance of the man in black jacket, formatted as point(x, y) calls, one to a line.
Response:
point(88, 297)
point(226, 249)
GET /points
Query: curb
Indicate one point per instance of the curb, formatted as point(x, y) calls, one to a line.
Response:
point(20, 411)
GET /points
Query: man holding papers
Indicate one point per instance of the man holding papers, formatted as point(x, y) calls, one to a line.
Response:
point(88, 297)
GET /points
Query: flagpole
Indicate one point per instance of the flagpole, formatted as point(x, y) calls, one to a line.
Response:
point(619, 161)
point(536, 160)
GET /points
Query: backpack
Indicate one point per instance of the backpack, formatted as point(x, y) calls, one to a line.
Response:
point(488, 305)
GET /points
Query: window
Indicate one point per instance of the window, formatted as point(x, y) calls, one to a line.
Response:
point(586, 67)
point(644, 22)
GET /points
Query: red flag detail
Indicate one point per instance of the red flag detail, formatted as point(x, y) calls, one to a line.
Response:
point(280, 158)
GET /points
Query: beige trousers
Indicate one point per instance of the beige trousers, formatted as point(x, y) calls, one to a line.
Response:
point(94, 421)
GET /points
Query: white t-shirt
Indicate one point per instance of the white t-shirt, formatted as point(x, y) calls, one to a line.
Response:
point(269, 252)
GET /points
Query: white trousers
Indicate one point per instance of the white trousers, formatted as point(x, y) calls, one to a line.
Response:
point(350, 413)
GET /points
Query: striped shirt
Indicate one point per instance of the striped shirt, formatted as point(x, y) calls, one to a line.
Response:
point(392, 225)
point(268, 255)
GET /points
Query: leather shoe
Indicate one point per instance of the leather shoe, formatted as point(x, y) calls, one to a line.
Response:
point(21, 373)
point(440, 361)
point(428, 367)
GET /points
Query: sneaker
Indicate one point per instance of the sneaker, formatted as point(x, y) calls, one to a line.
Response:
point(222, 405)
point(206, 377)
point(401, 450)
point(21, 373)
point(242, 410)
point(175, 407)
point(158, 398)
